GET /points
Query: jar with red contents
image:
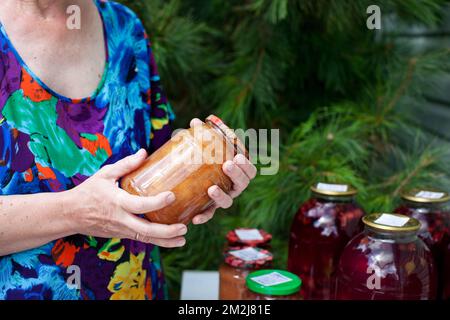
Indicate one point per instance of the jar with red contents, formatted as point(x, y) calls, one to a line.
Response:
point(249, 237)
point(273, 285)
point(431, 208)
point(238, 263)
point(446, 295)
point(320, 230)
point(388, 261)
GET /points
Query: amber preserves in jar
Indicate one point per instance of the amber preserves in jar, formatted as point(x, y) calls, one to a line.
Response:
point(431, 208)
point(188, 164)
point(273, 285)
point(238, 263)
point(249, 237)
point(321, 228)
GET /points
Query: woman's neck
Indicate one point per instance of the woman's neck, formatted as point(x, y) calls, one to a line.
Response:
point(39, 8)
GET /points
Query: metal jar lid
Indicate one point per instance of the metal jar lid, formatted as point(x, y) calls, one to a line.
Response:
point(334, 189)
point(391, 222)
point(426, 195)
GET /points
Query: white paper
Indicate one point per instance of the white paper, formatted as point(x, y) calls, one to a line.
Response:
point(391, 220)
point(249, 234)
point(430, 194)
point(271, 279)
point(332, 187)
point(249, 254)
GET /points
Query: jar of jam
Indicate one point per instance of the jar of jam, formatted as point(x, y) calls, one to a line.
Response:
point(273, 285)
point(249, 237)
point(446, 295)
point(238, 263)
point(430, 207)
point(386, 262)
point(321, 228)
point(188, 164)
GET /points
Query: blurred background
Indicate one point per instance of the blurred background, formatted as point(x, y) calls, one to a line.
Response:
point(353, 105)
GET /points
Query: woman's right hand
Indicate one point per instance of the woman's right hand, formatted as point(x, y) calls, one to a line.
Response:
point(102, 209)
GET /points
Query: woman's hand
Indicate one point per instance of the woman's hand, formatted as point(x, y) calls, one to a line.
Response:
point(105, 210)
point(241, 171)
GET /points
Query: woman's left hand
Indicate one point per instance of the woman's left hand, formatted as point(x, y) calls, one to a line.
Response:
point(241, 171)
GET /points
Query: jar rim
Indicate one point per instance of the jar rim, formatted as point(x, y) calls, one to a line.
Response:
point(229, 134)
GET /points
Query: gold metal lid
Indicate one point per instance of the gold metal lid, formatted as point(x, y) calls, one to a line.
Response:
point(334, 189)
point(426, 196)
point(391, 222)
point(229, 133)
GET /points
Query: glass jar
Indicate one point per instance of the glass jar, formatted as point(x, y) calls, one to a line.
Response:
point(238, 263)
point(320, 230)
point(188, 164)
point(386, 262)
point(273, 285)
point(446, 294)
point(431, 209)
point(249, 237)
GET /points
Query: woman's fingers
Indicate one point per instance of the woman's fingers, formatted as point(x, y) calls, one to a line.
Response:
point(143, 230)
point(246, 166)
point(167, 243)
point(221, 199)
point(204, 217)
point(238, 177)
point(196, 122)
point(123, 166)
point(138, 205)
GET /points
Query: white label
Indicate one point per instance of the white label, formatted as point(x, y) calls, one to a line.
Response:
point(271, 279)
point(248, 254)
point(332, 187)
point(391, 220)
point(248, 234)
point(429, 195)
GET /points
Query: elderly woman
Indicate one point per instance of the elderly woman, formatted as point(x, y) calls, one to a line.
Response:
point(78, 110)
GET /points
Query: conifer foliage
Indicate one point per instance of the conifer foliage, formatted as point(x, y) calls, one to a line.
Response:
point(339, 93)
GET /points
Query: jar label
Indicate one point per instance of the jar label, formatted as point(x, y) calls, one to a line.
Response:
point(332, 187)
point(391, 220)
point(248, 254)
point(271, 279)
point(249, 234)
point(429, 195)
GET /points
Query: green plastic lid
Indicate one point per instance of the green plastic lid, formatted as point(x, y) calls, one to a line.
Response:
point(273, 282)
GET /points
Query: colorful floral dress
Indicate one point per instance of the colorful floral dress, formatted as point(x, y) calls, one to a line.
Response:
point(50, 143)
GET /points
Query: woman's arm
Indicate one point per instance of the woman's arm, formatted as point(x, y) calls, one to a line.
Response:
point(29, 221)
point(97, 207)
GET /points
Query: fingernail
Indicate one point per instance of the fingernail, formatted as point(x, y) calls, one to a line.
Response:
point(170, 198)
point(182, 230)
point(139, 152)
point(229, 166)
point(216, 192)
point(181, 242)
point(239, 159)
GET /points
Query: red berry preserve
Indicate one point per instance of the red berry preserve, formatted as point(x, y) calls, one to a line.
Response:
point(321, 228)
point(431, 209)
point(387, 261)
